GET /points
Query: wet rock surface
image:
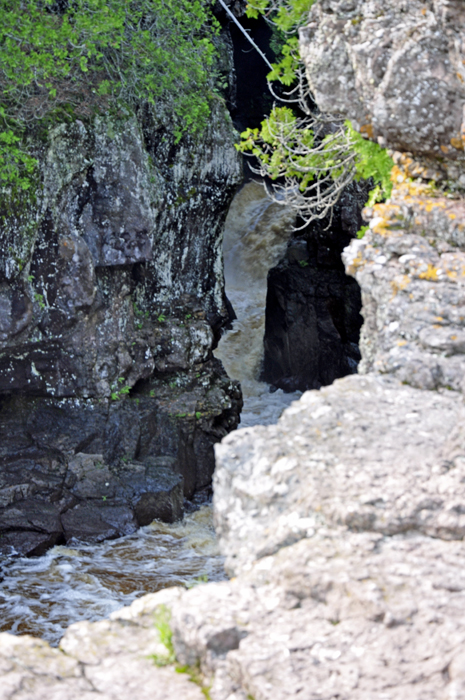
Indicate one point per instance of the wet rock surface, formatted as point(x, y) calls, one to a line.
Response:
point(93, 470)
point(313, 317)
point(111, 300)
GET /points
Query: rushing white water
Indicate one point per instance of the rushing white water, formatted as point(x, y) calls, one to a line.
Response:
point(42, 596)
point(255, 238)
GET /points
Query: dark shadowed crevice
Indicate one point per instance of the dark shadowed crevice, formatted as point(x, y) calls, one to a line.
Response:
point(313, 317)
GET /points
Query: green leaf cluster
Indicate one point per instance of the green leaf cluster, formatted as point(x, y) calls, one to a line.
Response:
point(286, 145)
point(95, 55)
point(287, 149)
point(287, 16)
point(372, 161)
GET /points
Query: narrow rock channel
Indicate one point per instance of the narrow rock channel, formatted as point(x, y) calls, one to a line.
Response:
point(42, 596)
point(255, 238)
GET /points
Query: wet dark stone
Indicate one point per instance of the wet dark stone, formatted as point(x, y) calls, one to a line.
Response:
point(111, 301)
point(96, 470)
point(313, 315)
point(98, 521)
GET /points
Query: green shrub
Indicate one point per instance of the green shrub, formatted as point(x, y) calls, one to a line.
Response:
point(163, 626)
point(96, 55)
point(293, 146)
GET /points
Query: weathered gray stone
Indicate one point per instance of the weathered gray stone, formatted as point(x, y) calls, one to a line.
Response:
point(339, 523)
point(110, 660)
point(410, 267)
point(395, 68)
point(366, 452)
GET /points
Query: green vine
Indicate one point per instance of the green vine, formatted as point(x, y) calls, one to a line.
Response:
point(311, 157)
point(372, 162)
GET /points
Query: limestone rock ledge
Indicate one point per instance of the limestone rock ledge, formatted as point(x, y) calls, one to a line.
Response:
point(343, 525)
point(411, 267)
point(110, 660)
point(395, 68)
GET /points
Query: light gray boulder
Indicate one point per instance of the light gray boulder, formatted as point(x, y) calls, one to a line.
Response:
point(395, 68)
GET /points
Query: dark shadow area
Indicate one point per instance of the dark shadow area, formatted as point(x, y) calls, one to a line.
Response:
point(313, 308)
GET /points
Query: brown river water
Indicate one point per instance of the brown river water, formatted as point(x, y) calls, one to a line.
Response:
point(43, 595)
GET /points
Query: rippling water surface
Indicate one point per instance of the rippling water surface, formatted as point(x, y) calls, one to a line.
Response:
point(255, 238)
point(43, 595)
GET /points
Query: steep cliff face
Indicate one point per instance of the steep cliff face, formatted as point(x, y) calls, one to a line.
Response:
point(111, 295)
point(397, 70)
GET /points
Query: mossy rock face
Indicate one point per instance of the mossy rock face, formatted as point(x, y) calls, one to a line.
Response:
point(111, 295)
point(117, 236)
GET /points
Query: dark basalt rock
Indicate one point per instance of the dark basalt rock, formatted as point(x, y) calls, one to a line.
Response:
point(77, 468)
point(313, 316)
point(111, 300)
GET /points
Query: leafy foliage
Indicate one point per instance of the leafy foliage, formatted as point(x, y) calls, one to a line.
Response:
point(286, 16)
point(311, 157)
point(92, 55)
point(288, 149)
point(372, 162)
point(16, 166)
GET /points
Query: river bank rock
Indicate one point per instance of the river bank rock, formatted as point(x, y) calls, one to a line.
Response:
point(343, 526)
point(113, 664)
point(99, 469)
point(410, 266)
point(111, 302)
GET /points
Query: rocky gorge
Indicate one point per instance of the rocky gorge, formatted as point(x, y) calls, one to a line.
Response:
point(342, 525)
point(117, 293)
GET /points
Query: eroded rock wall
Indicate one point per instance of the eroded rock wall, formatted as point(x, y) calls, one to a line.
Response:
point(111, 297)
